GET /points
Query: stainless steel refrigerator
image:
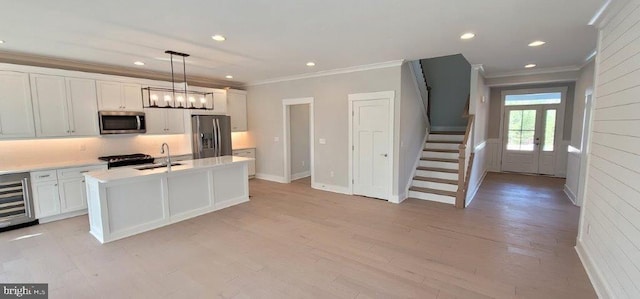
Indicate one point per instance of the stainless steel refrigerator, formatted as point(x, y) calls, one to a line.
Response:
point(211, 136)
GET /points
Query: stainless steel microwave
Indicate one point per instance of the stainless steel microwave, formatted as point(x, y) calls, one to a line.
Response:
point(121, 122)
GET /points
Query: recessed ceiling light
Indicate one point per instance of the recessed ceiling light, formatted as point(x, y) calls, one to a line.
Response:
point(218, 38)
point(311, 63)
point(530, 65)
point(468, 35)
point(138, 63)
point(1, 41)
point(537, 43)
point(228, 77)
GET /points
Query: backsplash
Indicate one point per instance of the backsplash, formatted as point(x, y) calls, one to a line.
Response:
point(38, 151)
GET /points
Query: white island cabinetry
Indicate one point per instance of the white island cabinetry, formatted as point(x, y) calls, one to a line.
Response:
point(125, 202)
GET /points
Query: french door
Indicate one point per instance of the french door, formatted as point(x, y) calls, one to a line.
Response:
point(530, 139)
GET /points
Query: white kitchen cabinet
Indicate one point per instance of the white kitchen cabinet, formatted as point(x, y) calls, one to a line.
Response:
point(83, 106)
point(73, 195)
point(237, 109)
point(248, 153)
point(119, 96)
point(16, 113)
point(64, 106)
point(164, 121)
point(219, 101)
point(46, 198)
point(61, 193)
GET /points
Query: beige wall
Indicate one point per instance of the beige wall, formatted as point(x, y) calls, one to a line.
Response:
point(413, 127)
point(584, 83)
point(299, 136)
point(264, 105)
point(496, 103)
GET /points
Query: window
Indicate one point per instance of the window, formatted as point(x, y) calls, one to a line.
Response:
point(533, 99)
point(549, 130)
point(522, 129)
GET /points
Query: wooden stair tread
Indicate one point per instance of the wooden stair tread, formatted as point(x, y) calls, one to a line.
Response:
point(437, 169)
point(448, 132)
point(433, 191)
point(439, 150)
point(444, 141)
point(440, 160)
point(435, 180)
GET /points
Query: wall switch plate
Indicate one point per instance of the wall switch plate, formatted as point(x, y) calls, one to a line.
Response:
point(322, 141)
point(83, 147)
point(276, 139)
point(331, 174)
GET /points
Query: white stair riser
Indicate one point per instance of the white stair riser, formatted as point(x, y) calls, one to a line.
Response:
point(440, 155)
point(452, 146)
point(434, 185)
point(437, 174)
point(442, 137)
point(438, 164)
point(433, 197)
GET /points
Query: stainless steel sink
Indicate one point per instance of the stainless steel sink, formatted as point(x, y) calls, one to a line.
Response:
point(154, 166)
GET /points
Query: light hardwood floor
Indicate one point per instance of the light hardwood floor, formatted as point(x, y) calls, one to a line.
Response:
point(514, 241)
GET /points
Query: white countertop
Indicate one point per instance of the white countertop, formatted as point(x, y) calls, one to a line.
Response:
point(114, 174)
point(49, 166)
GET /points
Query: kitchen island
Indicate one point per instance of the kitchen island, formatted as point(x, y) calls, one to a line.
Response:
point(129, 201)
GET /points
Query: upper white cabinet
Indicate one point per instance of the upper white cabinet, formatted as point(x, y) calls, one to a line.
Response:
point(64, 106)
point(119, 96)
point(237, 108)
point(164, 121)
point(16, 113)
point(219, 101)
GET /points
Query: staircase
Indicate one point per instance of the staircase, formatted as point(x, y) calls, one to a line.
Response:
point(437, 175)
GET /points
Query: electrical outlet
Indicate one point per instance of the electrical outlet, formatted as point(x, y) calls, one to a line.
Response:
point(302, 163)
point(83, 147)
point(331, 174)
point(322, 141)
point(588, 229)
point(276, 139)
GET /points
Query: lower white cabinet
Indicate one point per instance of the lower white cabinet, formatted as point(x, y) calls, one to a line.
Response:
point(60, 192)
point(248, 153)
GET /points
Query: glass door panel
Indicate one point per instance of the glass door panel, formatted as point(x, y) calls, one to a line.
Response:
point(521, 130)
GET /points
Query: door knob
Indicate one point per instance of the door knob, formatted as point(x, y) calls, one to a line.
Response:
point(384, 155)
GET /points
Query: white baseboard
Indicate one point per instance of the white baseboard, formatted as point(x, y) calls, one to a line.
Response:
point(448, 128)
point(270, 177)
point(399, 198)
point(62, 216)
point(300, 175)
point(473, 193)
point(570, 194)
point(595, 276)
point(331, 188)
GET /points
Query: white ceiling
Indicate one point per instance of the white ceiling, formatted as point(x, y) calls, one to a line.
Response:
point(268, 39)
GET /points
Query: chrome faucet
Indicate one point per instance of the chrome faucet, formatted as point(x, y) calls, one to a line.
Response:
point(168, 155)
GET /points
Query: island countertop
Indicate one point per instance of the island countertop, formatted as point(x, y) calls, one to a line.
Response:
point(106, 176)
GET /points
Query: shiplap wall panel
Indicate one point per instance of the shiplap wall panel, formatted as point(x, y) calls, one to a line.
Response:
point(619, 24)
point(625, 97)
point(619, 127)
point(610, 231)
point(622, 112)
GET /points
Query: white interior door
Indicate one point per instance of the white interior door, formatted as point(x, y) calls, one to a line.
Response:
point(371, 148)
point(530, 143)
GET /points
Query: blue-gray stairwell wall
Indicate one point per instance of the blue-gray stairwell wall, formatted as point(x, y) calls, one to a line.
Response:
point(449, 78)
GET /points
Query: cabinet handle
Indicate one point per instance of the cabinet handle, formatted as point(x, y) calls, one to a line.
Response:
point(83, 181)
point(44, 176)
point(56, 185)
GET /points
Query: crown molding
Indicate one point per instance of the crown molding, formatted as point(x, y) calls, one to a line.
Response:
point(606, 12)
point(479, 67)
point(540, 71)
point(346, 70)
point(90, 67)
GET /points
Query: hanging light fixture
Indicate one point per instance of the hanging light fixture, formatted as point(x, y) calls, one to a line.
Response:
point(176, 98)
